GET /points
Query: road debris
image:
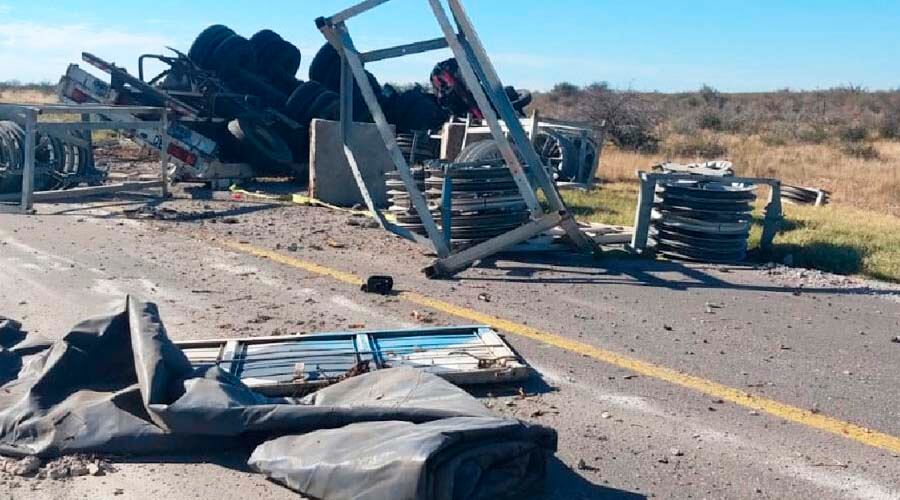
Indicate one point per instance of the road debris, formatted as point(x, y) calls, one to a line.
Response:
point(409, 424)
point(379, 284)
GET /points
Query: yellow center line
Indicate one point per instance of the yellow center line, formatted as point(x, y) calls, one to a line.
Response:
point(775, 408)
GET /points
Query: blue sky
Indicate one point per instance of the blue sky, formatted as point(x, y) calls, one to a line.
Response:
point(645, 45)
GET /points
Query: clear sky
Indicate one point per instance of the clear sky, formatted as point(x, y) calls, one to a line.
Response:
point(733, 45)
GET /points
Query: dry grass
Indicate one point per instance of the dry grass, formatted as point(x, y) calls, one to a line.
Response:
point(27, 96)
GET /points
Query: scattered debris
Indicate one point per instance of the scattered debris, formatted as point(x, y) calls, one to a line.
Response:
point(582, 465)
point(382, 285)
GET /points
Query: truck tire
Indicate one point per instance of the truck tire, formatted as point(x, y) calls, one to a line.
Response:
point(262, 147)
point(206, 42)
point(302, 98)
point(276, 58)
point(235, 52)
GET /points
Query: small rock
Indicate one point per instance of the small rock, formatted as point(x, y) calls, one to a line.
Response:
point(25, 467)
point(606, 415)
point(79, 469)
point(675, 452)
point(292, 247)
point(58, 472)
point(896, 339)
point(582, 465)
point(94, 469)
point(485, 297)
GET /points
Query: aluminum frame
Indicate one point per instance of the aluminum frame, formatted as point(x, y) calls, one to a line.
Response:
point(28, 115)
point(482, 80)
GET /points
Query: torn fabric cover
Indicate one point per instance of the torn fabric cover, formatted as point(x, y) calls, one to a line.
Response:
point(117, 384)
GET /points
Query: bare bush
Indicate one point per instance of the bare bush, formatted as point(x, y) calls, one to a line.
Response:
point(861, 151)
point(628, 118)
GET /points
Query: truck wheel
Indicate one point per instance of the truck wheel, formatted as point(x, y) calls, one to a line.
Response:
point(266, 150)
point(206, 42)
point(235, 52)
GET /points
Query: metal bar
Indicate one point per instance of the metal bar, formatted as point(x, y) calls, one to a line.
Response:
point(164, 156)
point(459, 261)
point(111, 125)
point(773, 217)
point(63, 109)
point(404, 50)
point(475, 87)
point(28, 173)
point(352, 12)
point(491, 82)
point(643, 212)
point(516, 132)
point(339, 37)
point(144, 87)
point(447, 206)
point(346, 130)
point(44, 196)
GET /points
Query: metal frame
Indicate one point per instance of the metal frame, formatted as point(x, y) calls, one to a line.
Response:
point(489, 360)
point(486, 88)
point(29, 117)
point(647, 193)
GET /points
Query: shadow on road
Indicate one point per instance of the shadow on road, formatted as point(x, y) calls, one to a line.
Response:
point(623, 269)
point(563, 482)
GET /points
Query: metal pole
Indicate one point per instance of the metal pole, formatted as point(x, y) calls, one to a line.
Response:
point(28, 173)
point(643, 212)
point(164, 154)
point(484, 104)
point(340, 39)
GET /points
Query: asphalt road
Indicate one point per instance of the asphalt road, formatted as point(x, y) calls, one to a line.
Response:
point(611, 341)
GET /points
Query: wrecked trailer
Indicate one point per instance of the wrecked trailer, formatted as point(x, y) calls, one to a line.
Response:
point(116, 384)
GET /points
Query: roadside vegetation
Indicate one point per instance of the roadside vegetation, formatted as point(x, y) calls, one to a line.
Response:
point(844, 140)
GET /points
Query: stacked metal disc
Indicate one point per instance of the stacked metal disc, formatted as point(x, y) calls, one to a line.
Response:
point(425, 148)
point(58, 164)
point(485, 201)
point(804, 195)
point(400, 204)
point(706, 221)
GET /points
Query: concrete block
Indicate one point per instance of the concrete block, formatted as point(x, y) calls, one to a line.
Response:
point(330, 177)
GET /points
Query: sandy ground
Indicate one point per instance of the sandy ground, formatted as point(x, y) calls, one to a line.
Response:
point(809, 340)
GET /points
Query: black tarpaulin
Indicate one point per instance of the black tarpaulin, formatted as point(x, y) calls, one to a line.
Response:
point(116, 384)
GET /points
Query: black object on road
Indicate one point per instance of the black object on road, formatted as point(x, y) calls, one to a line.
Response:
point(382, 285)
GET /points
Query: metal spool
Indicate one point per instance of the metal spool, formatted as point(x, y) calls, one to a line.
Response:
point(400, 205)
point(425, 148)
point(705, 221)
point(58, 164)
point(485, 202)
point(803, 195)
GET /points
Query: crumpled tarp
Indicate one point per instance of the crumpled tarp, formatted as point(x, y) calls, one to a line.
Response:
point(116, 384)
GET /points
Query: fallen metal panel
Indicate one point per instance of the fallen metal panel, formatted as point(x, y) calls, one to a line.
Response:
point(296, 364)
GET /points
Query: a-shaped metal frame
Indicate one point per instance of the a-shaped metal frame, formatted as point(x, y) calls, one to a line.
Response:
point(485, 86)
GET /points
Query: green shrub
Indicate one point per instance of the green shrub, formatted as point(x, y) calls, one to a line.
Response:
point(853, 133)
